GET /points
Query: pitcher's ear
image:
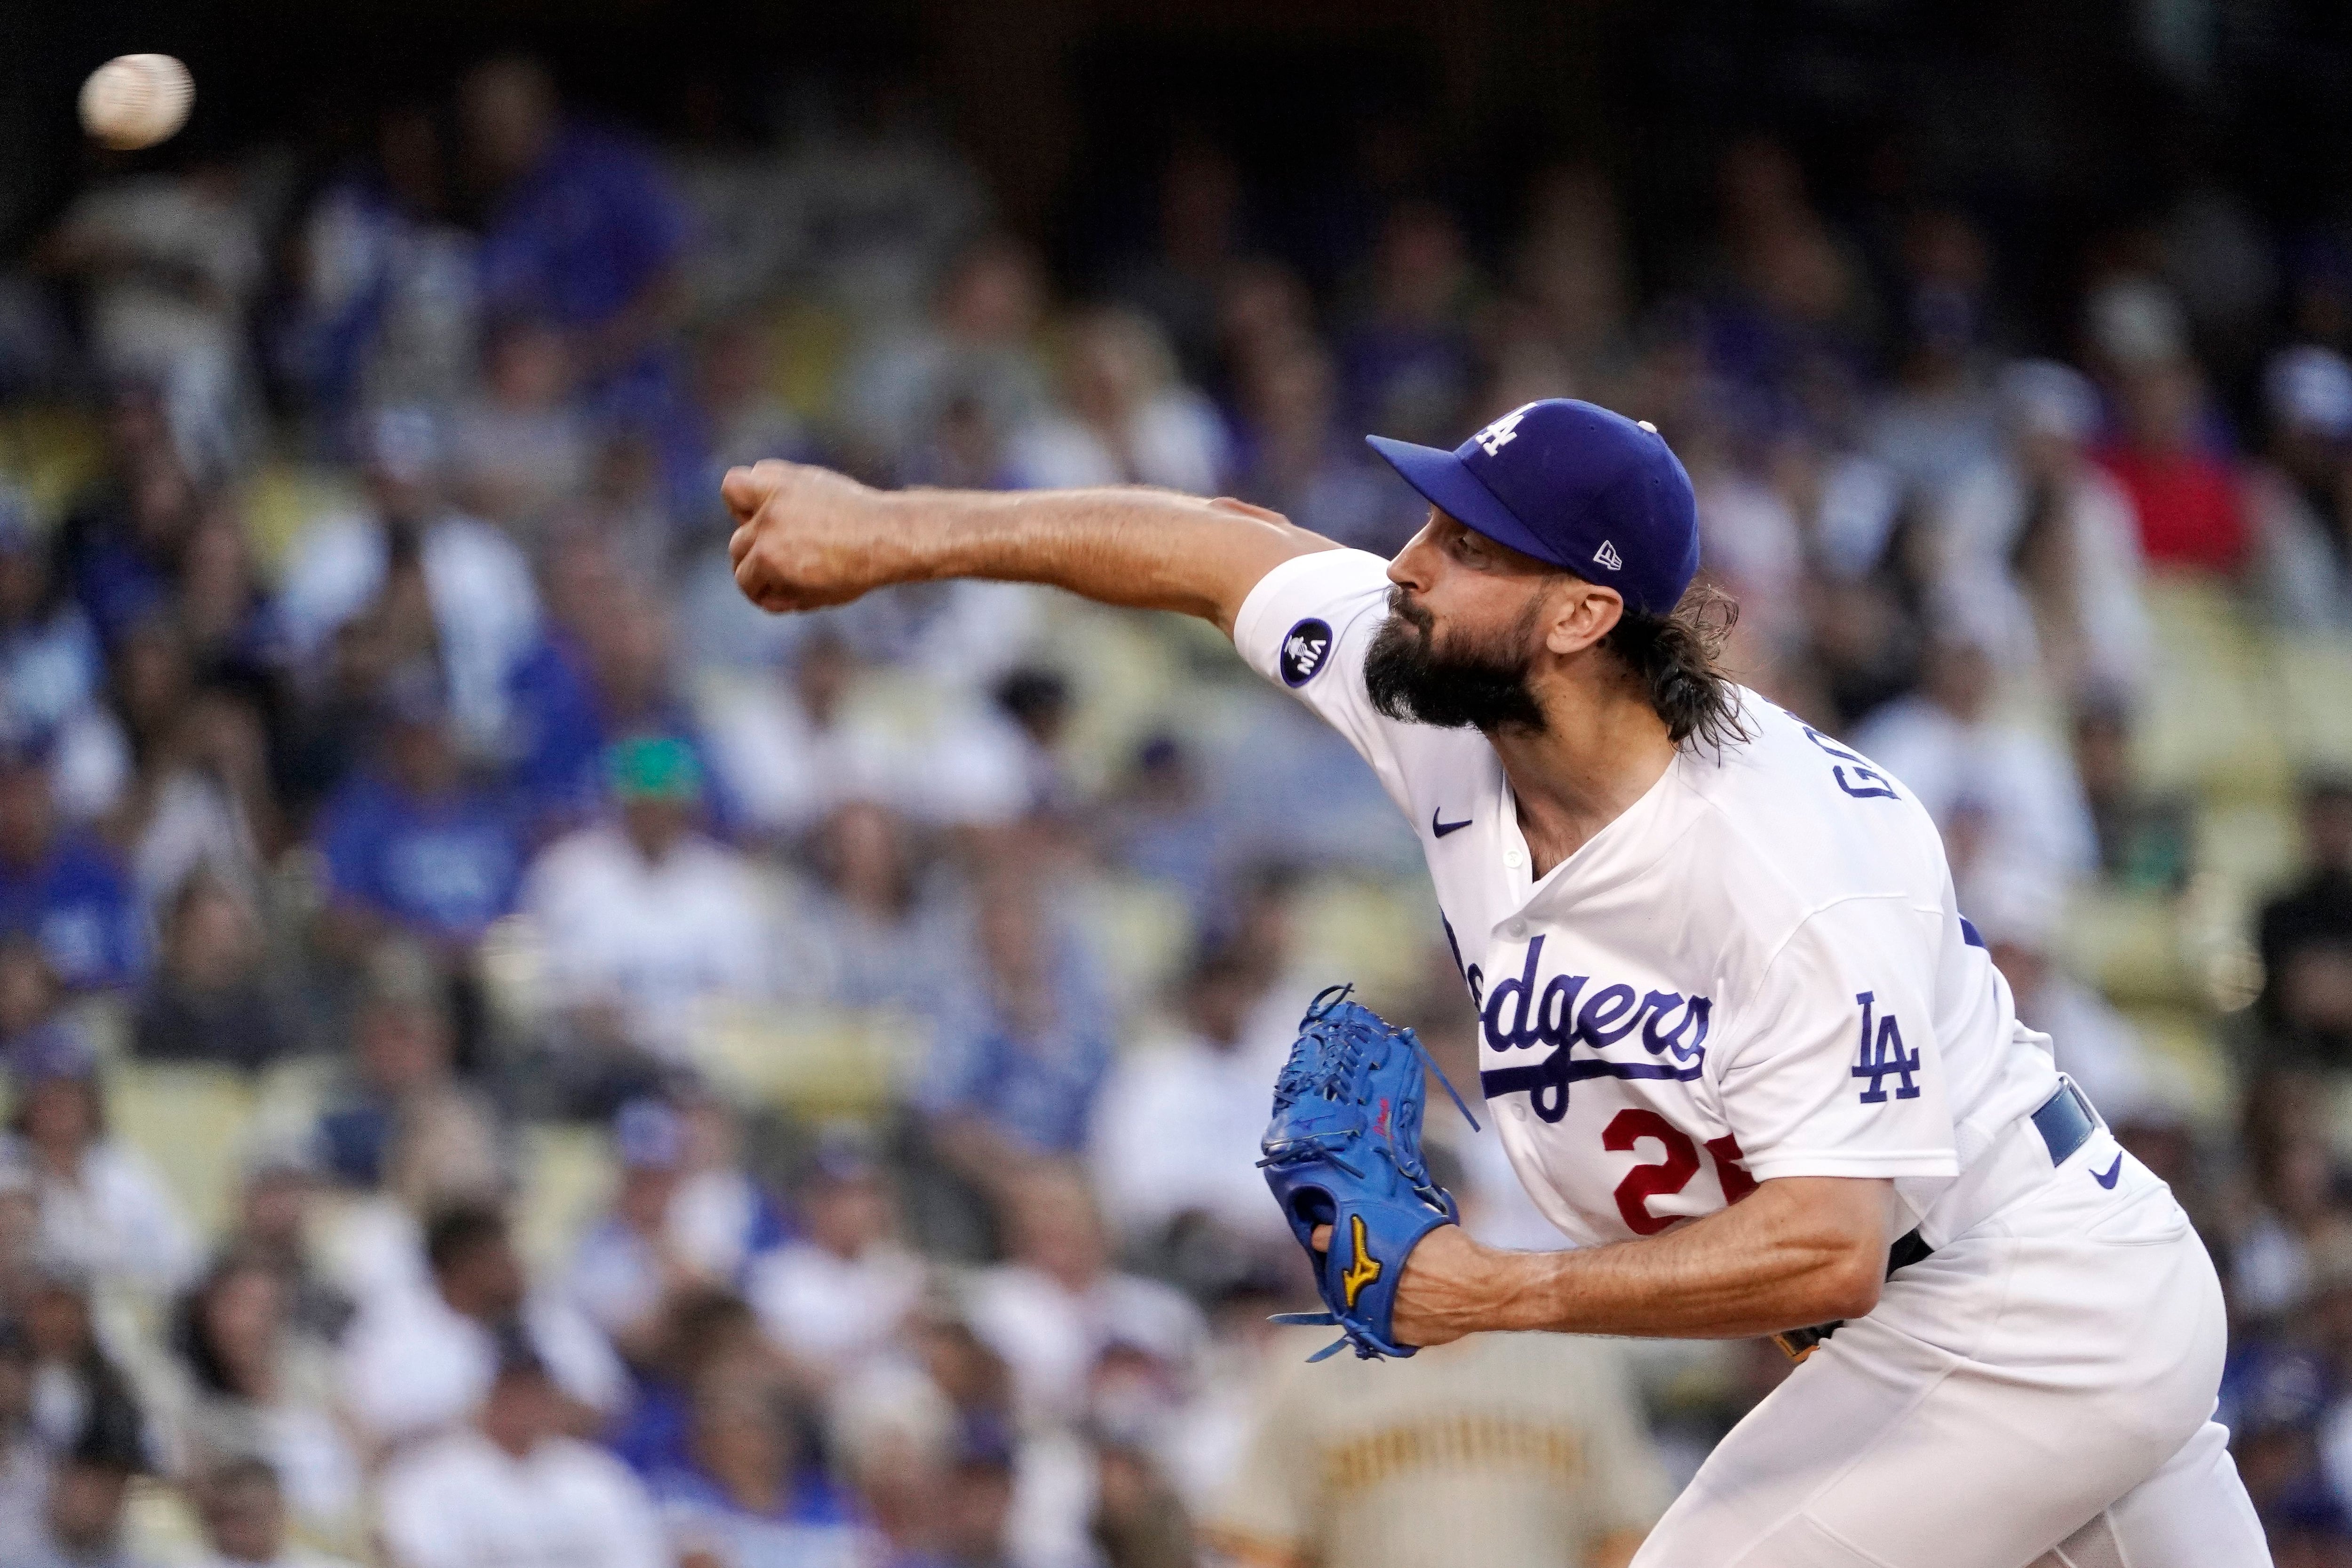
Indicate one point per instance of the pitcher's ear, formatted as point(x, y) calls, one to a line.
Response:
point(1582, 615)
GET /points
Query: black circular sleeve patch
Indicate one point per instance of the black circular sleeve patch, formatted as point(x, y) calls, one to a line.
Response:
point(1305, 648)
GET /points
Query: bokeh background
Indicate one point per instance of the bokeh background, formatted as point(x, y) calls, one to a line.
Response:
point(469, 986)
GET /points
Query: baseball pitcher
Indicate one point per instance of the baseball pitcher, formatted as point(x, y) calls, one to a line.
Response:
point(1743, 1046)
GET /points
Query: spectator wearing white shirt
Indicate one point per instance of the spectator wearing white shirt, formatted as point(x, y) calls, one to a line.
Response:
point(2002, 794)
point(647, 920)
point(243, 1513)
point(1124, 418)
point(484, 606)
point(1051, 1310)
point(509, 1490)
point(1174, 1142)
point(104, 1209)
point(2043, 544)
point(419, 1362)
point(628, 1267)
point(841, 1292)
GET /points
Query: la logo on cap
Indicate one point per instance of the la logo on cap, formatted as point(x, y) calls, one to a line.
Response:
point(1501, 433)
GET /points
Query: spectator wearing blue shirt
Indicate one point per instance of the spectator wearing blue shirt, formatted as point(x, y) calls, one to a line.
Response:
point(1015, 1070)
point(412, 843)
point(583, 228)
point(601, 674)
point(747, 1494)
point(60, 887)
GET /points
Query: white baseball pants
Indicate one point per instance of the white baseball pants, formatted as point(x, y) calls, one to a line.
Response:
point(2037, 1394)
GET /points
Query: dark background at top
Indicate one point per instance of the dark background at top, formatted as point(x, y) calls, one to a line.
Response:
point(2056, 121)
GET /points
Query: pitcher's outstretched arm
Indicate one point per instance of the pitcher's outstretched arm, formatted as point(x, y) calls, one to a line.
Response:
point(807, 537)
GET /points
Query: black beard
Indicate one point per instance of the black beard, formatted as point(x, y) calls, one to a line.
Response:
point(1481, 686)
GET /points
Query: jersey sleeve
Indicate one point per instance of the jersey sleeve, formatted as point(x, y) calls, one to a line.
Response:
point(1306, 627)
point(1835, 1070)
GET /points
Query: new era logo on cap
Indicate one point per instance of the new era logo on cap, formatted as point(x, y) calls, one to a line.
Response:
point(1573, 485)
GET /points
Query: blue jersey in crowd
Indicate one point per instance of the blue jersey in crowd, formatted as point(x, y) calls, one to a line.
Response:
point(444, 868)
point(75, 904)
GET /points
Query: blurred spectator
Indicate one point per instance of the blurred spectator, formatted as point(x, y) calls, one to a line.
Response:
point(401, 1069)
point(81, 1523)
point(976, 1508)
point(60, 888)
point(712, 1339)
point(1406, 366)
point(1180, 282)
point(50, 664)
point(1176, 1133)
point(197, 801)
point(208, 1001)
point(521, 451)
point(243, 1511)
point(272, 1226)
point(842, 1290)
point(509, 1485)
point(579, 224)
point(2292, 1216)
point(887, 200)
point(81, 1393)
point(170, 262)
point(2188, 496)
point(24, 1458)
point(2297, 497)
point(1939, 421)
point(628, 1267)
point(261, 1395)
point(1295, 460)
point(418, 1361)
point(1052, 1308)
point(442, 587)
point(1123, 417)
point(789, 751)
point(978, 343)
point(1158, 822)
point(411, 845)
point(2144, 835)
point(387, 288)
point(2017, 914)
point(2045, 545)
point(876, 929)
point(603, 675)
point(2304, 933)
point(104, 1209)
point(1021, 1054)
point(1523, 1448)
point(750, 1497)
point(2002, 794)
point(647, 923)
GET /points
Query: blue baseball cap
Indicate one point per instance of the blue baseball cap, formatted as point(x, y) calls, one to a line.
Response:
point(1571, 484)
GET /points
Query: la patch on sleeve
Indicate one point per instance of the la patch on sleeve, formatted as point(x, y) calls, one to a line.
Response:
point(1305, 648)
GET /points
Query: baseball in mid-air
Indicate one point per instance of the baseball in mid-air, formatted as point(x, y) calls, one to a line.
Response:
point(136, 101)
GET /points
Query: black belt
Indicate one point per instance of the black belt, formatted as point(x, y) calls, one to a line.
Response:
point(2066, 1122)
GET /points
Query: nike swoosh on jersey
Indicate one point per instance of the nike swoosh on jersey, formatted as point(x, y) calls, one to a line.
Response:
point(2107, 1178)
point(1440, 830)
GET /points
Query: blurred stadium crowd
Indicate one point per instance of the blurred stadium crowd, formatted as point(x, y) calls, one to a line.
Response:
point(512, 1055)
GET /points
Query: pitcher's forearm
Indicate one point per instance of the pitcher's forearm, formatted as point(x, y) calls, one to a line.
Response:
point(808, 538)
point(1143, 549)
point(1797, 1251)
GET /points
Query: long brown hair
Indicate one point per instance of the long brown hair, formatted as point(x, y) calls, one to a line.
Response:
point(1677, 657)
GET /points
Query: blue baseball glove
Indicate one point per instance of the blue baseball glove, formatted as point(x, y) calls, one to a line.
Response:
point(1344, 1150)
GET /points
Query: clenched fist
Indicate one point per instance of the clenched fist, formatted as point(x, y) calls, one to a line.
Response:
point(806, 537)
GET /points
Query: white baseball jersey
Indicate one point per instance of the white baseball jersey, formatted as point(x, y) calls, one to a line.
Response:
point(1757, 970)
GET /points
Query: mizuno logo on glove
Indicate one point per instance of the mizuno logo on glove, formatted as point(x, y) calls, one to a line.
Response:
point(1365, 1268)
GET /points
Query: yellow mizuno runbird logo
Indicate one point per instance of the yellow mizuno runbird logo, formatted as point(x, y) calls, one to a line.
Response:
point(1365, 1269)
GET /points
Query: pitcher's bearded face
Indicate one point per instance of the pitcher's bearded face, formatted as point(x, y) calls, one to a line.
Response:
point(1461, 680)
